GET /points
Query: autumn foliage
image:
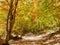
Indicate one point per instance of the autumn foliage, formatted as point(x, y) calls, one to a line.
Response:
point(32, 15)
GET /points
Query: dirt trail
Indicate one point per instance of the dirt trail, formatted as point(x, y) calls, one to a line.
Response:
point(44, 39)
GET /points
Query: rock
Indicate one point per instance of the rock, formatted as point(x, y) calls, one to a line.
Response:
point(58, 35)
point(29, 34)
point(15, 36)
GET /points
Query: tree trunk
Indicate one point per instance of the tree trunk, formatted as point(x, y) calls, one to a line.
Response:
point(10, 20)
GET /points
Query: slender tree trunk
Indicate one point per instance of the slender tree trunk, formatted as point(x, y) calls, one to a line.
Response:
point(10, 19)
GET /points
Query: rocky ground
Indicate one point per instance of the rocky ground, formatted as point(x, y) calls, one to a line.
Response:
point(44, 39)
point(49, 38)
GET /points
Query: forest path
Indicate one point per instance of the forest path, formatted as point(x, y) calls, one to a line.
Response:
point(39, 40)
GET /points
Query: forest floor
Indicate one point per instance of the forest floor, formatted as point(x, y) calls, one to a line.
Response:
point(44, 39)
